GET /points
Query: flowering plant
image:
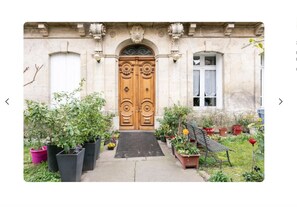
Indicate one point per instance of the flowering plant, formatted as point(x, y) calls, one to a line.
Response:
point(183, 145)
point(252, 141)
point(111, 145)
point(185, 132)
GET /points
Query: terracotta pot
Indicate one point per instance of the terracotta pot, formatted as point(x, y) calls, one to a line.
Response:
point(223, 131)
point(236, 129)
point(209, 131)
point(188, 160)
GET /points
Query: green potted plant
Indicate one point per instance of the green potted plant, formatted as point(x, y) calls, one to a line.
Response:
point(173, 120)
point(54, 117)
point(90, 124)
point(208, 124)
point(245, 119)
point(222, 121)
point(36, 129)
point(67, 135)
point(51, 144)
point(116, 134)
point(106, 136)
point(237, 128)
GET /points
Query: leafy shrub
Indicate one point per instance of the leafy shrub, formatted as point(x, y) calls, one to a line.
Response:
point(90, 118)
point(255, 175)
point(174, 118)
point(219, 176)
point(36, 123)
point(244, 119)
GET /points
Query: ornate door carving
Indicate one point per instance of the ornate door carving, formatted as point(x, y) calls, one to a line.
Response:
point(136, 92)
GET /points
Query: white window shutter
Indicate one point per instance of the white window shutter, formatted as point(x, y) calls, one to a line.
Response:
point(65, 72)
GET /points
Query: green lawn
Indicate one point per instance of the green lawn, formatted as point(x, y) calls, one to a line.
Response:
point(37, 172)
point(241, 158)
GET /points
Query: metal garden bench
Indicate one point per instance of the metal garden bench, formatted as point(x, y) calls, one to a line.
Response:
point(200, 136)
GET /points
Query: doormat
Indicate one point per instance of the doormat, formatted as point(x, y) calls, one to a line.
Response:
point(138, 144)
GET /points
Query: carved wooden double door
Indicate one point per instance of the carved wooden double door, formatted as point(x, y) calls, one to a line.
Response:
point(137, 92)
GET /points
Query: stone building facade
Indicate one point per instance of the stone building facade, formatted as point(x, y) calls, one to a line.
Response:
point(142, 67)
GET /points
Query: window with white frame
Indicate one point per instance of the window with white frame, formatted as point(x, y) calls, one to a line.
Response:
point(207, 81)
point(64, 72)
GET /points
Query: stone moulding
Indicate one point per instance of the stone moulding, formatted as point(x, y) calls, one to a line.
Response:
point(43, 28)
point(137, 34)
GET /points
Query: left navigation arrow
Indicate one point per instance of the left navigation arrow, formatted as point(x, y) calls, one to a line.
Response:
point(7, 101)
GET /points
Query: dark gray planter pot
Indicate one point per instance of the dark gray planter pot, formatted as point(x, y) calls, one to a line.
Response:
point(91, 152)
point(70, 165)
point(52, 150)
point(98, 148)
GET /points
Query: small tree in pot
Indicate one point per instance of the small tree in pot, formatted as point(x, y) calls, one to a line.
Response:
point(67, 135)
point(36, 129)
point(91, 125)
point(60, 102)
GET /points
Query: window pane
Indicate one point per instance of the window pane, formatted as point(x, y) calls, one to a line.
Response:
point(196, 101)
point(210, 83)
point(210, 102)
point(211, 60)
point(196, 83)
point(196, 60)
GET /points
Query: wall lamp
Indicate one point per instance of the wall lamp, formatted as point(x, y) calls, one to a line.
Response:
point(97, 56)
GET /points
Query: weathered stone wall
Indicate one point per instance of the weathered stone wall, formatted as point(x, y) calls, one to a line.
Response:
point(174, 82)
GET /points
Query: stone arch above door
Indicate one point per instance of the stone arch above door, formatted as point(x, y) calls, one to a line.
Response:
point(145, 42)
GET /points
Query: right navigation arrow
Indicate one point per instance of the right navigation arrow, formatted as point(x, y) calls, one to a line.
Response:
point(281, 101)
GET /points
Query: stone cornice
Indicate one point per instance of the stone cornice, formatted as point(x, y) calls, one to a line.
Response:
point(193, 29)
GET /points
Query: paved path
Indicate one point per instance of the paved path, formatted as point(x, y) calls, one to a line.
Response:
point(141, 169)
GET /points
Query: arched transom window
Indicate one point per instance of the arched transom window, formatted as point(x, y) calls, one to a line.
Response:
point(134, 50)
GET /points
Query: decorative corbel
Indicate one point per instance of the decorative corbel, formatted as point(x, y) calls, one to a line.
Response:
point(259, 29)
point(81, 29)
point(175, 30)
point(97, 31)
point(192, 29)
point(228, 29)
point(43, 28)
point(136, 34)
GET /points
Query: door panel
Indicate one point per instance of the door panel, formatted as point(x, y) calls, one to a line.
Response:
point(146, 93)
point(126, 94)
point(136, 92)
